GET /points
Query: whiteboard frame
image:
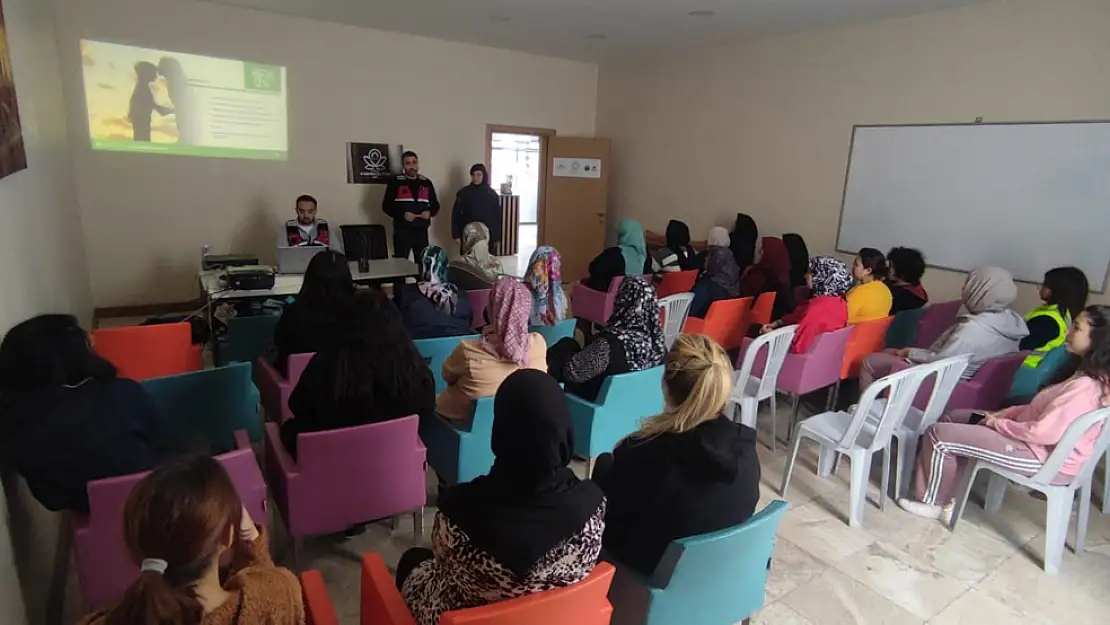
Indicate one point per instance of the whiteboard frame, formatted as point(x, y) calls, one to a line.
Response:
point(848, 172)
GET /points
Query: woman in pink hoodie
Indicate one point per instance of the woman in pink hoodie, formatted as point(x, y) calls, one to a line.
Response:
point(1019, 438)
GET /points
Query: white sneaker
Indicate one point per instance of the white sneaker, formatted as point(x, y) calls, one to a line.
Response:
point(926, 511)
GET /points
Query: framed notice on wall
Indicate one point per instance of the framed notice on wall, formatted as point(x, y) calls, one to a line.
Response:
point(578, 167)
point(372, 163)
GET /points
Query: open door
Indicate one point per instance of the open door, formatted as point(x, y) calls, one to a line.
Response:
point(573, 220)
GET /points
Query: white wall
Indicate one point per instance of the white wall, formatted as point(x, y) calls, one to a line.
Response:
point(42, 269)
point(147, 216)
point(764, 127)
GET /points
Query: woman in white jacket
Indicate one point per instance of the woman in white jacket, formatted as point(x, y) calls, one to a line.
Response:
point(989, 330)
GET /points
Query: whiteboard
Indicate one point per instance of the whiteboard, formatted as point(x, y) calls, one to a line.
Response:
point(1026, 197)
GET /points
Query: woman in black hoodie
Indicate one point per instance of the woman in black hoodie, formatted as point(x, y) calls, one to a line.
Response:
point(477, 201)
point(66, 419)
point(686, 472)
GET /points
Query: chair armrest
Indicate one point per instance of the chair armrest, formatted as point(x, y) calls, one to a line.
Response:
point(381, 603)
point(242, 439)
point(577, 404)
point(318, 608)
point(694, 325)
point(276, 453)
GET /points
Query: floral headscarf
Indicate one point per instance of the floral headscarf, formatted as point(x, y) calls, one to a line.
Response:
point(635, 323)
point(506, 334)
point(432, 281)
point(475, 250)
point(829, 276)
point(544, 278)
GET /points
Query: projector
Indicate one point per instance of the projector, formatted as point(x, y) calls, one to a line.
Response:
point(250, 278)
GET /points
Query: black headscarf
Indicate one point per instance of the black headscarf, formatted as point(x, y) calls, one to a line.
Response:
point(799, 258)
point(485, 175)
point(530, 501)
point(742, 240)
point(678, 241)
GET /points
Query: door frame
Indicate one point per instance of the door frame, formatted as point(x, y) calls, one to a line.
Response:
point(545, 135)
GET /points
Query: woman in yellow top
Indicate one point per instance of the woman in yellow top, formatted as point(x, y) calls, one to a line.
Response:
point(870, 299)
point(476, 368)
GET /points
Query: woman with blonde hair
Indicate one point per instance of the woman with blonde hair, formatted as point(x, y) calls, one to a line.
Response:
point(687, 471)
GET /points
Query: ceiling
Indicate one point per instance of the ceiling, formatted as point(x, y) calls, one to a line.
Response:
point(590, 30)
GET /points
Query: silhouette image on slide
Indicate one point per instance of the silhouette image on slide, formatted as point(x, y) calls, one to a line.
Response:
point(142, 101)
point(177, 84)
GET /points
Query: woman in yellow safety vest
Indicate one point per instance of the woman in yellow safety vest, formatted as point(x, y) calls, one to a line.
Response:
point(1064, 293)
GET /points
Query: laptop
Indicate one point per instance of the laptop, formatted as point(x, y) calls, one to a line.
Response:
point(294, 260)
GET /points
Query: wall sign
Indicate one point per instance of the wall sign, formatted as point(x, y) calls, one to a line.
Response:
point(578, 167)
point(370, 163)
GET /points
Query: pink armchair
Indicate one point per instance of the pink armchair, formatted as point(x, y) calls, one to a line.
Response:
point(347, 476)
point(479, 300)
point(594, 306)
point(274, 389)
point(104, 568)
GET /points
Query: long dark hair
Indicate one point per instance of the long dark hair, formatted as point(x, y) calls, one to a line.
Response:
point(1068, 288)
point(48, 352)
point(1096, 362)
point(327, 286)
point(181, 513)
point(377, 357)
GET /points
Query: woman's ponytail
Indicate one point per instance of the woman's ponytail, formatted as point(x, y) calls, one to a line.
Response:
point(152, 601)
point(697, 381)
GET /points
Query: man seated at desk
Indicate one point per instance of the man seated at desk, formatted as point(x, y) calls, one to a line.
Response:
point(307, 229)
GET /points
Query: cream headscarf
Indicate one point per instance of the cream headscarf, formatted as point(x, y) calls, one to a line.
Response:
point(989, 289)
point(718, 237)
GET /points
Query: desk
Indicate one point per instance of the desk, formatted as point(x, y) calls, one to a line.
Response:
point(381, 270)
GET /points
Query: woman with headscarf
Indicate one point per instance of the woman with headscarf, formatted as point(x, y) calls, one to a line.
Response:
point(476, 269)
point(477, 367)
point(743, 239)
point(530, 525)
point(433, 307)
point(633, 341)
point(826, 310)
point(989, 330)
point(770, 274)
point(477, 201)
point(628, 258)
point(373, 374)
point(544, 279)
point(799, 257)
point(721, 277)
point(678, 254)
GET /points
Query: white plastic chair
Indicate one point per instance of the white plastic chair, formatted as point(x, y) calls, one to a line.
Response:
point(1059, 496)
point(749, 390)
point(909, 432)
point(857, 437)
point(675, 309)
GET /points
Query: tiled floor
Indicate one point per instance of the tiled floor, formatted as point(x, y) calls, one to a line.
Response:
point(897, 569)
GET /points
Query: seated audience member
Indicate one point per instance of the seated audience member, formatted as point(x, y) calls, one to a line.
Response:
point(307, 229)
point(476, 269)
point(544, 279)
point(799, 258)
point(907, 265)
point(477, 202)
point(373, 374)
point(826, 310)
point(989, 330)
point(628, 258)
point(633, 341)
point(177, 523)
point(313, 321)
point(433, 307)
point(477, 367)
point(743, 240)
point(678, 254)
point(770, 274)
point(870, 299)
point(66, 419)
point(603, 268)
point(1064, 293)
point(687, 471)
point(530, 525)
point(721, 277)
point(1019, 437)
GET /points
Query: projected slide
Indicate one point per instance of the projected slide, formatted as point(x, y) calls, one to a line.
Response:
point(153, 101)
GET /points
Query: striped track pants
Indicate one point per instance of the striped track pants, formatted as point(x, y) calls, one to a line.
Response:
point(946, 447)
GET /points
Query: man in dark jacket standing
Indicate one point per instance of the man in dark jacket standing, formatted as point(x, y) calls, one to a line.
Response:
point(410, 199)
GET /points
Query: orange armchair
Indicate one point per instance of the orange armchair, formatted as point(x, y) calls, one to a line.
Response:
point(762, 309)
point(726, 322)
point(584, 603)
point(318, 609)
point(676, 282)
point(155, 351)
point(866, 339)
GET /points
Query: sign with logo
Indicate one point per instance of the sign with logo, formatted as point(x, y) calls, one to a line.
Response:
point(578, 167)
point(369, 163)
